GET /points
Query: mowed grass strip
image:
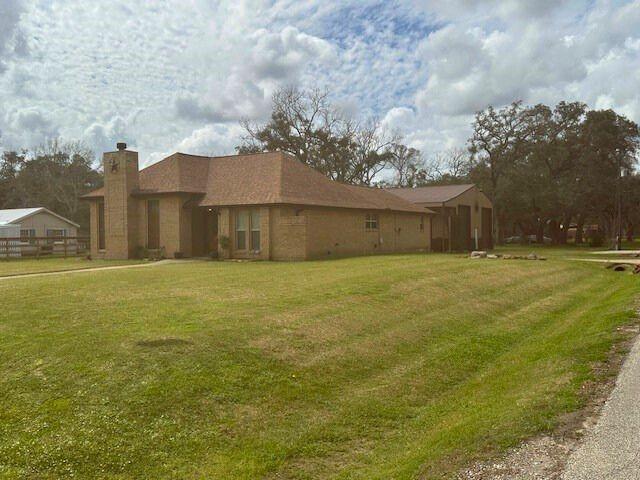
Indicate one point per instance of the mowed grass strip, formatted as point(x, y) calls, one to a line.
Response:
point(21, 266)
point(405, 366)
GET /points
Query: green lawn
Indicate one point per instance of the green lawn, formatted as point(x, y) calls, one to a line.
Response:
point(368, 368)
point(54, 264)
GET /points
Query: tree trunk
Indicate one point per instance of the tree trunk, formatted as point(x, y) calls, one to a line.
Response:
point(565, 229)
point(540, 232)
point(553, 231)
point(580, 231)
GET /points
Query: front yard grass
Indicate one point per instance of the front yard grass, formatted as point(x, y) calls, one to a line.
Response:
point(404, 366)
point(20, 266)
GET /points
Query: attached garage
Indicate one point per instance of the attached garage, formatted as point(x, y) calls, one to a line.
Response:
point(464, 215)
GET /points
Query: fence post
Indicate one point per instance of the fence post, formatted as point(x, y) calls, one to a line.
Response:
point(64, 243)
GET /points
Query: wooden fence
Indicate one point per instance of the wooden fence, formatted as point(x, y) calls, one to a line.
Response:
point(36, 247)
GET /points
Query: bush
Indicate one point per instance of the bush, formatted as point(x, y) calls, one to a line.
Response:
point(596, 238)
point(224, 242)
point(140, 252)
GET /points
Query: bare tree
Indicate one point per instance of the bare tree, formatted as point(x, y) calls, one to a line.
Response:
point(448, 167)
point(408, 166)
point(307, 125)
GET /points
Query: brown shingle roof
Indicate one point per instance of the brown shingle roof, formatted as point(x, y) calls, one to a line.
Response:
point(435, 194)
point(265, 178)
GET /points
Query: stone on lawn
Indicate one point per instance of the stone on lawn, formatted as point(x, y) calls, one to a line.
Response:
point(478, 254)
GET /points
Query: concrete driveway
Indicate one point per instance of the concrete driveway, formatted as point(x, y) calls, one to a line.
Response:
point(96, 269)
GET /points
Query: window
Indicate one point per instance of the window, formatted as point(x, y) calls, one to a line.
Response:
point(422, 223)
point(54, 233)
point(27, 235)
point(248, 230)
point(242, 221)
point(371, 222)
point(255, 230)
point(101, 242)
point(153, 224)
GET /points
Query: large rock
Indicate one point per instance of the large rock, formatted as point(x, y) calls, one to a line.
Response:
point(478, 254)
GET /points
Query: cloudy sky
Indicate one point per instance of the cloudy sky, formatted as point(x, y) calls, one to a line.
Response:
point(167, 75)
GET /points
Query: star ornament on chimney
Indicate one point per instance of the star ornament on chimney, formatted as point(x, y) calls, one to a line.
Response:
point(114, 166)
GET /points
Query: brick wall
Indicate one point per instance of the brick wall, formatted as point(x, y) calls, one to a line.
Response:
point(288, 234)
point(342, 232)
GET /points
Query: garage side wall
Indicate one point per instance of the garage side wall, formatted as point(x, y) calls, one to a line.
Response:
point(343, 232)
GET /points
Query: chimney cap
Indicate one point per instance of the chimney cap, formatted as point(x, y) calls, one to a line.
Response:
point(121, 146)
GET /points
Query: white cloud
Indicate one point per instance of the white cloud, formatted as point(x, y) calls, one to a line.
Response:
point(27, 126)
point(104, 136)
point(264, 60)
point(12, 40)
point(211, 140)
point(172, 75)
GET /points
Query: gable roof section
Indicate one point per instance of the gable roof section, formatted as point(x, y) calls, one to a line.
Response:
point(15, 215)
point(257, 179)
point(434, 194)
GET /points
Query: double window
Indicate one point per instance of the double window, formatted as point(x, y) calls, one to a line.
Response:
point(27, 235)
point(248, 230)
point(371, 222)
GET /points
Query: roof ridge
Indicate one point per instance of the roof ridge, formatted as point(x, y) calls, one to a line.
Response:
point(433, 186)
point(281, 176)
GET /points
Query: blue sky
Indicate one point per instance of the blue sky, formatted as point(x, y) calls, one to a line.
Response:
point(178, 75)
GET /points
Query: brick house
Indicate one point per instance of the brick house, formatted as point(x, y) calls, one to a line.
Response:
point(265, 206)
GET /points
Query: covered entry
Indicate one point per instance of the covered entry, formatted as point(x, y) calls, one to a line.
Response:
point(204, 232)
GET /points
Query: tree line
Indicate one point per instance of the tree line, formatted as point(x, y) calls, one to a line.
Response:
point(544, 168)
point(53, 175)
point(549, 168)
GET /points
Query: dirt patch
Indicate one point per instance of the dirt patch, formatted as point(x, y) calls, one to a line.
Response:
point(545, 456)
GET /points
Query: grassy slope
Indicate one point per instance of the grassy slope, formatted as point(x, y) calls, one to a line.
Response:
point(53, 264)
point(384, 367)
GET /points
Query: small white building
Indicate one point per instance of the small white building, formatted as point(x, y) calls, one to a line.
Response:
point(29, 228)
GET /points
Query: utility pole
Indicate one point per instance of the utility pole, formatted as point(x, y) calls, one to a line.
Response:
point(619, 205)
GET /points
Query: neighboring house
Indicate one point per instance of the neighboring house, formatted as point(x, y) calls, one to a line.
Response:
point(27, 224)
point(37, 222)
point(463, 213)
point(260, 206)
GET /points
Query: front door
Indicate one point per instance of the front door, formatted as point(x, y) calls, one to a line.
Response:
point(204, 232)
point(211, 233)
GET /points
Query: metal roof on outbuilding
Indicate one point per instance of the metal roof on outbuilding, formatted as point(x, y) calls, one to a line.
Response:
point(15, 215)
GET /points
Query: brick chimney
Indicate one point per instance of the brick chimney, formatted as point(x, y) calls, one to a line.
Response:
point(120, 208)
